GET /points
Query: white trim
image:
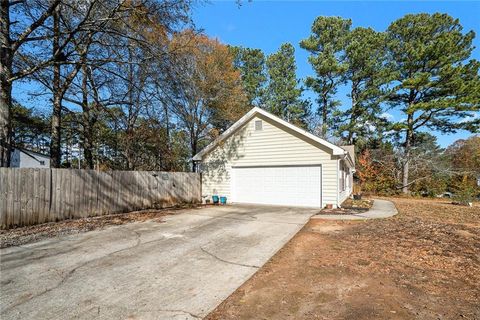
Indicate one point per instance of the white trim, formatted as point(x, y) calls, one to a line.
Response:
point(233, 191)
point(322, 205)
point(338, 184)
point(337, 151)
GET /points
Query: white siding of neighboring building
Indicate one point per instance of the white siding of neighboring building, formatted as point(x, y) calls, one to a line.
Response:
point(271, 146)
point(15, 159)
point(20, 159)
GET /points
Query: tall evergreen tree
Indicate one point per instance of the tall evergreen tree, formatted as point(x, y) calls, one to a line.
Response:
point(251, 63)
point(366, 72)
point(30, 129)
point(326, 45)
point(283, 92)
point(434, 85)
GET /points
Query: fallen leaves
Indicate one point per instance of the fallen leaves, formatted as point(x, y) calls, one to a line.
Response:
point(23, 235)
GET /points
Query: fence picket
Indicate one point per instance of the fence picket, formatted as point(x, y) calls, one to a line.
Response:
point(32, 196)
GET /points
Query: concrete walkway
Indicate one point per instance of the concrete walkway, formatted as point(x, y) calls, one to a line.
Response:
point(380, 209)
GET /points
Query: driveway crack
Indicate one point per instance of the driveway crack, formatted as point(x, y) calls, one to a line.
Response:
point(179, 312)
point(72, 271)
point(226, 261)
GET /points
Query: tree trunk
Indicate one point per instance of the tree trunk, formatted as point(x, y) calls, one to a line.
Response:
point(194, 146)
point(406, 160)
point(87, 153)
point(87, 140)
point(129, 153)
point(55, 142)
point(129, 144)
point(88, 137)
point(168, 150)
point(353, 114)
point(87, 134)
point(324, 117)
point(5, 123)
point(5, 84)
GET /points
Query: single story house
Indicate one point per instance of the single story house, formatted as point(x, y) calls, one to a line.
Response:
point(262, 159)
point(23, 158)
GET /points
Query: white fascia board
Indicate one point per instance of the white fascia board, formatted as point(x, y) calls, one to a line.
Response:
point(225, 134)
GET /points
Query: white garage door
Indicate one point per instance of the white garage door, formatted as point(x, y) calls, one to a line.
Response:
point(292, 186)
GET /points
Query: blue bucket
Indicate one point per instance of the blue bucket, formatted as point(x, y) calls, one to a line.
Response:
point(223, 200)
point(215, 199)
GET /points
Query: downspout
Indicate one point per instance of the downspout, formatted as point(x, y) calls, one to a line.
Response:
point(322, 204)
point(338, 183)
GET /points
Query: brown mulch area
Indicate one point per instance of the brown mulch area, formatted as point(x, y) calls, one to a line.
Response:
point(358, 204)
point(346, 211)
point(350, 206)
point(424, 263)
point(23, 235)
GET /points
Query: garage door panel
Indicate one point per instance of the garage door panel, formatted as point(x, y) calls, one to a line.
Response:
point(297, 186)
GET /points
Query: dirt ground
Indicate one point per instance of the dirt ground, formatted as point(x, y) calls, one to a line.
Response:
point(423, 263)
point(23, 235)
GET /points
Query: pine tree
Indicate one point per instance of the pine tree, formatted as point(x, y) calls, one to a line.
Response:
point(284, 96)
point(366, 73)
point(326, 45)
point(434, 85)
point(251, 63)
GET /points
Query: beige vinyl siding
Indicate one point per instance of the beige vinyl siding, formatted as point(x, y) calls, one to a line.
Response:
point(270, 146)
point(343, 195)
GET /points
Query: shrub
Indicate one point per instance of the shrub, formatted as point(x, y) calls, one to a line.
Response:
point(464, 194)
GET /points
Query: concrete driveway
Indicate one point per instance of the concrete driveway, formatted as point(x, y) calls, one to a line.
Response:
point(180, 269)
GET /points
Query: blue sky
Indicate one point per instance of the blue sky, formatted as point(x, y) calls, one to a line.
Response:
point(268, 24)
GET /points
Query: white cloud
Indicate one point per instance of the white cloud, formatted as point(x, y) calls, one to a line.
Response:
point(387, 116)
point(370, 126)
point(469, 118)
point(389, 132)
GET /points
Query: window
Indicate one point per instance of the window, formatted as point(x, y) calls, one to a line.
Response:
point(42, 163)
point(342, 174)
point(258, 125)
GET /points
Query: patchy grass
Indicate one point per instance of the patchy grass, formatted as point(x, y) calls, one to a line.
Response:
point(423, 263)
point(23, 235)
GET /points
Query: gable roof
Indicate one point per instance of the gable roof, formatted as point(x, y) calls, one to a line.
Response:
point(32, 154)
point(254, 111)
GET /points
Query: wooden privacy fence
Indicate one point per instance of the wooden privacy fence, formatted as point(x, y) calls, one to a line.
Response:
point(32, 196)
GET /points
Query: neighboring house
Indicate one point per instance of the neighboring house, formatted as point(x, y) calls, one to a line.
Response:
point(263, 159)
point(23, 158)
